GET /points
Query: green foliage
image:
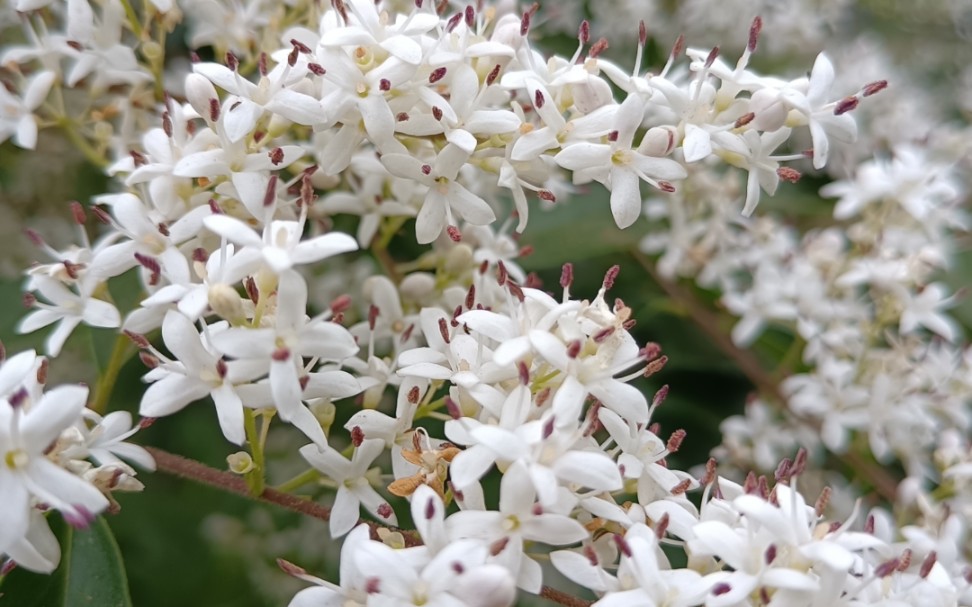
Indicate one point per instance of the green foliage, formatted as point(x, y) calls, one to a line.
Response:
point(91, 573)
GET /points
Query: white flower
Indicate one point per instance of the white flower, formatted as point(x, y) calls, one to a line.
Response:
point(17, 115)
point(354, 490)
point(445, 195)
point(197, 372)
point(282, 245)
point(68, 309)
point(27, 475)
point(618, 165)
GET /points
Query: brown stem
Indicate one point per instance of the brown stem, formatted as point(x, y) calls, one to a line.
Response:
point(769, 387)
point(199, 472)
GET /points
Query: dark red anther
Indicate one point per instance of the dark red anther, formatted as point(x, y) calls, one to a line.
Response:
point(470, 297)
point(661, 527)
point(642, 32)
point(612, 136)
point(384, 85)
point(437, 112)
point(597, 48)
point(426, 169)
point(77, 212)
point(292, 57)
point(675, 441)
point(610, 276)
point(799, 462)
point(679, 47)
point(316, 69)
point(28, 300)
point(262, 64)
point(231, 61)
point(437, 74)
point(149, 263)
point(414, 394)
point(622, 545)
point(452, 408)
point(453, 22)
point(822, 500)
point(401, 116)
point(34, 238)
point(341, 304)
point(845, 105)
point(385, 511)
point(167, 124)
point(574, 348)
point(139, 158)
point(538, 99)
point(150, 362)
point(501, 274)
point(444, 330)
point(499, 546)
point(281, 354)
point(493, 74)
point(721, 588)
point(783, 471)
point(455, 234)
point(357, 436)
point(710, 59)
point(300, 46)
point(789, 174)
point(524, 372)
point(372, 316)
point(927, 564)
point(17, 399)
point(515, 290)
point(546, 195)
point(886, 568)
point(276, 156)
point(138, 339)
point(42, 370)
point(744, 120)
point(306, 190)
point(874, 88)
point(407, 333)
point(470, 15)
point(214, 109)
point(566, 275)
point(584, 32)
point(525, 251)
point(270, 196)
point(525, 23)
point(430, 509)
point(754, 30)
point(548, 427)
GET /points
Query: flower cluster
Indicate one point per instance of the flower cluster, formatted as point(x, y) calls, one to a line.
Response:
point(56, 455)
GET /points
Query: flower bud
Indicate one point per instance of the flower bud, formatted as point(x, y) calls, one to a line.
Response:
point(488, 585)
point(459, 259)
point(226, 302)
point(590, 95)
point(200, 91)
point(769, 109)
point(417, 286)
point(658, 141)
point(239, 462)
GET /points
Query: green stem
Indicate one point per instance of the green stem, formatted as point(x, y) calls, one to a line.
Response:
point(106, 383)
point(90, 153)
point(133, 20)
point(255, 478)
point(307, 476)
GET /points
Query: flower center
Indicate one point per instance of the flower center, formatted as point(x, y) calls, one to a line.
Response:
point(16, 459)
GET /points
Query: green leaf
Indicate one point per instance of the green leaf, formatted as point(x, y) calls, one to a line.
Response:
point(90, 574)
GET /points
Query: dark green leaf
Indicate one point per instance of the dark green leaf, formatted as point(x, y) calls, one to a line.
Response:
point(90, 574)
